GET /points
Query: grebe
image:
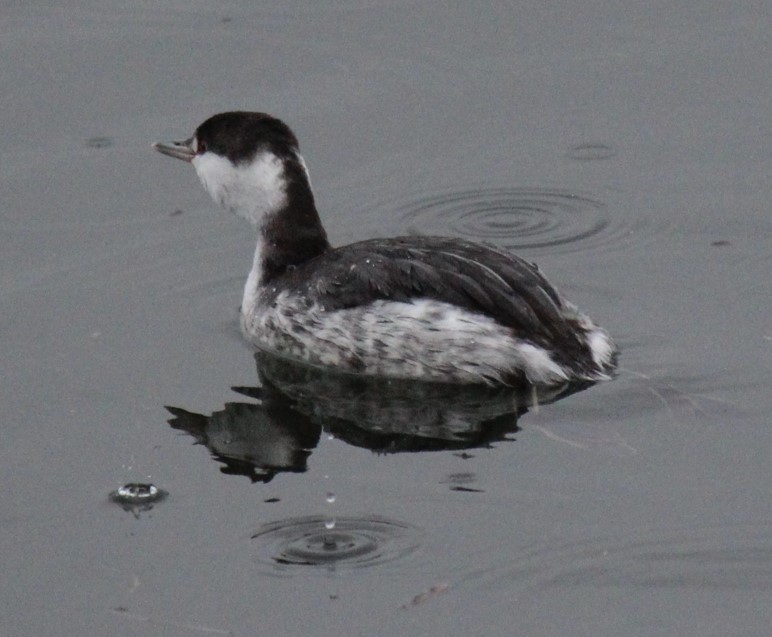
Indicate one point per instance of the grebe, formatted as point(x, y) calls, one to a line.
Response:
point(429, 308)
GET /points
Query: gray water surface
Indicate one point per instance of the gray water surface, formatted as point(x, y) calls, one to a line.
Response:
point(623, 146)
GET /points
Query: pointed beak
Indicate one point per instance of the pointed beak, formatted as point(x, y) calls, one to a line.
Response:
point(179, 150)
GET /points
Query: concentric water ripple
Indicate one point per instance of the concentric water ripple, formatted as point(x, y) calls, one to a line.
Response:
point(353, 542)
point(541, 219)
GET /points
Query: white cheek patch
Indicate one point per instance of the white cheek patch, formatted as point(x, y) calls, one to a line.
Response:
point(250, 190)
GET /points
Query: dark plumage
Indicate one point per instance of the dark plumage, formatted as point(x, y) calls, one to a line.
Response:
point(475, 277)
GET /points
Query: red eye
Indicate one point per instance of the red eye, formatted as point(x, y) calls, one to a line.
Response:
point(201, 148)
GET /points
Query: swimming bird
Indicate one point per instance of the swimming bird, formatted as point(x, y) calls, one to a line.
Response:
point(421, 307)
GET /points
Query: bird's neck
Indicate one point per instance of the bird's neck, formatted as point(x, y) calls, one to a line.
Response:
point(274, 194)
point(291, 233)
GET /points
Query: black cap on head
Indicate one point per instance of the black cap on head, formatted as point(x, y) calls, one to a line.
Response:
point(238, 135)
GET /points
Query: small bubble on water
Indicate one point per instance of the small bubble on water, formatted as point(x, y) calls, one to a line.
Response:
point(137, 496)
point(137, 491)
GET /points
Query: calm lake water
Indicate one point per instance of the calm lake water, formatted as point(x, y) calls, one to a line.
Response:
point(623, 146)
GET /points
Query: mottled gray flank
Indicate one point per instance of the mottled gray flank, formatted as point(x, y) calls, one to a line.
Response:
point(424, 339)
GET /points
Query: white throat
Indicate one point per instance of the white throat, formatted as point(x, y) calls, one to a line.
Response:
point(251, 190)
point(252, 286)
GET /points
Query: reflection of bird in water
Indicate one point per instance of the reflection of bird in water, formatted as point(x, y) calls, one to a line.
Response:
point(296, 402)
point(254, 440)
point(429, 308)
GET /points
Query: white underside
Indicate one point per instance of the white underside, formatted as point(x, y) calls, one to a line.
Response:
point(425, 339)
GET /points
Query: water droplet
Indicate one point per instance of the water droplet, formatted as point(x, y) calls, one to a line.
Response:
point(329, 524)
point(330, 498)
